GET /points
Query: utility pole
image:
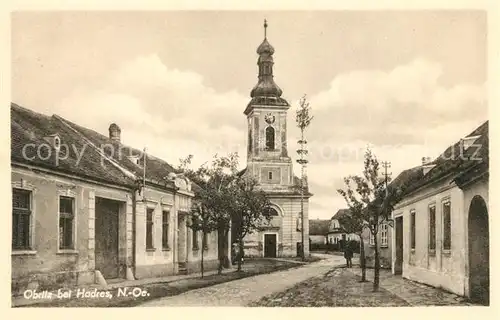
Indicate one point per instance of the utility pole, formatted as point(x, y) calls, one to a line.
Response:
point(303, 162)
point(386, 165)
point(303, 120)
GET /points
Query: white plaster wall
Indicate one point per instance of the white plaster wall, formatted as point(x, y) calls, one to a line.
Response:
point(444, 269)
point(479, 188)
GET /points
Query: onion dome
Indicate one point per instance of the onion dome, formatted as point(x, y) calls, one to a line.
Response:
point(265, 47)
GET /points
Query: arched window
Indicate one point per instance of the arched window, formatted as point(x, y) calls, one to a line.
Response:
point(270, 138)
point(272, 212)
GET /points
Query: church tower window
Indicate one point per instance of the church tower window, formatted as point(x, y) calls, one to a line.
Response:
point(269, 138)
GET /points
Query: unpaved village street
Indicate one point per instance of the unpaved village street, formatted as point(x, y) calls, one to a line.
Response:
point(243, 292)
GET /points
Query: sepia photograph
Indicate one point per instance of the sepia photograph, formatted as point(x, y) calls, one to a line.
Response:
point(225, 158)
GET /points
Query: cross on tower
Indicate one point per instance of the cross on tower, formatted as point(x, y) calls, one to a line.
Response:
point(265, 28)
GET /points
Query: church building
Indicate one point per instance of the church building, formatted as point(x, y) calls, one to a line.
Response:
point(268, 160)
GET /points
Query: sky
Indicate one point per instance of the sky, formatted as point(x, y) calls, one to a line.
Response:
point(406, 83)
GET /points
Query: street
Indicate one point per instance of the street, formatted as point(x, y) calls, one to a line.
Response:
point(243, 292)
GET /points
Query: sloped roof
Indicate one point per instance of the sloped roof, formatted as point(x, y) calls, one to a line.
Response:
point(28, 130)
point(452, 163)
point(318, 227)
point(157, 170)
point(340, 213)
point(28, 126)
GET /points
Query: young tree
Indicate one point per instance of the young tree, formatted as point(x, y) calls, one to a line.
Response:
point(201, 221)
point(251, 210)
point(354, 223)
point(370, 201)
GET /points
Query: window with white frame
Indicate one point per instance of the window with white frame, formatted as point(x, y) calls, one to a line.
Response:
point(383, 235)
point(412, 229)
point(66, 222)
point(372, 239)
point(194, 233)
point(165, 218)
point(21, 219)
point(432, 228)
point(149, 228)
point(446, 225)
point(205, 241)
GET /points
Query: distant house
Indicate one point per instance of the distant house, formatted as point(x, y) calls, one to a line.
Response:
point(87, 208)
point(335, 231)
point(385, 232)
point(318, 231)
point(441, 224)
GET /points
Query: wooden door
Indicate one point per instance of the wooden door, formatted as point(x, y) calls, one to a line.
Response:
point(106, 237)
point(398, 267)
point(270, 245)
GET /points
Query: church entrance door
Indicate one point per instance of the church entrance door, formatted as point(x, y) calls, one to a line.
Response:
point(270, 245)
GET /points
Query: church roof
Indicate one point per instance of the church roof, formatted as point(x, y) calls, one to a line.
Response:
point(265, 47)
point(266, 91)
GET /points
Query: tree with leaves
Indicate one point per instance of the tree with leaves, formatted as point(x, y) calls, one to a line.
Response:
point(370, 203)
point(354, 223)
point(214, 200)
point(252, 209)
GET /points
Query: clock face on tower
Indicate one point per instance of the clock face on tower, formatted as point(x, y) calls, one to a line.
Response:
point(269, 118)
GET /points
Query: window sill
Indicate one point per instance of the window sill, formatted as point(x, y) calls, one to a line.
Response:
point(432, 252)
point(384, 246)
point(23, 252)
point(67, 251)
point(165, 249)
point(206, 248)
point(446, 252)
point(150, 249)
point(412, 251)
point(196, 249)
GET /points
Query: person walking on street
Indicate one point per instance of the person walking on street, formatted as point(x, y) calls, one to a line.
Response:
point(348, 255)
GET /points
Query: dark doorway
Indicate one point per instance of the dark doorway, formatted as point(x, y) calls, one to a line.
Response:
point(479, 252)
point(398, 265)
point(106, 237)
point(270, 245)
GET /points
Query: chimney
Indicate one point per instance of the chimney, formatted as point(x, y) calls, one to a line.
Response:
point(426, 160)
point(426, 164)
point(114, 132)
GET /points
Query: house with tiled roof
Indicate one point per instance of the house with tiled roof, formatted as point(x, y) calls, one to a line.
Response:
point(385, 233)
point(318, 231)
point(336, 233)
point(441, 234)
point(87, 208)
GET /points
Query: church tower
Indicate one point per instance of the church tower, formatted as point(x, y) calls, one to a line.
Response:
point(267, 154)
point(269, 162)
